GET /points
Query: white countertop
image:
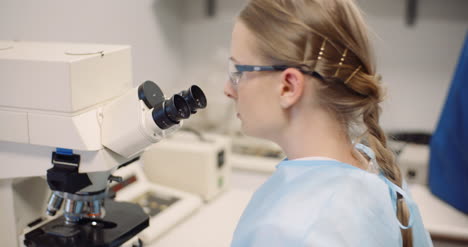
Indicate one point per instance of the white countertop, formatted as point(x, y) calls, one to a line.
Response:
point(440, 218)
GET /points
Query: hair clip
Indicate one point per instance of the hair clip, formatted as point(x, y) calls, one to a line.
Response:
point(353, 74)
point(341, 61)
point(307, 49)
point(322, 49)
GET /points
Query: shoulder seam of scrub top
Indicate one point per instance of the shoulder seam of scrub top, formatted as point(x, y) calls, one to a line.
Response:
point(287, 162)
point(315, 158)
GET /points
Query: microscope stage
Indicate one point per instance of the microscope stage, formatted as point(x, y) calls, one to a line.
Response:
point(122, 221)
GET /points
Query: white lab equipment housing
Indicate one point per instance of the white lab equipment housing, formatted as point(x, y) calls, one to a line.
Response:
point(50, 97)
point(141, 189)
point(196, 164)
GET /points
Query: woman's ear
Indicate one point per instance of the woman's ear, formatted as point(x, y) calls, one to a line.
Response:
point(292, 87)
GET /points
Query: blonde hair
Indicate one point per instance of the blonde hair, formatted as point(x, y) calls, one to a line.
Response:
point(330, 37)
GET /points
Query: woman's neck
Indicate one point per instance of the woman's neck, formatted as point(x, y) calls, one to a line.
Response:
point(317, 135)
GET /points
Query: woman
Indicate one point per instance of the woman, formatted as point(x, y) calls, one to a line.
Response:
point(302, 75)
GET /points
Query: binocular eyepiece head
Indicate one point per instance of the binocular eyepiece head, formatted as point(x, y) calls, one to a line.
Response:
point(167, 113)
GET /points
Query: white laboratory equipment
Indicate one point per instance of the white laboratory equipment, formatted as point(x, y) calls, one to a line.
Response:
point(68, 112)
point(197, 163)
point(165, 206)
point(414, 163)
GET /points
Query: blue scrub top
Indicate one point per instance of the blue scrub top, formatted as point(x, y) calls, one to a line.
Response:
point(325, 203)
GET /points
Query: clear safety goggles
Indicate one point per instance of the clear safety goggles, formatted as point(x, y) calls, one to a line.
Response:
point(236, 70)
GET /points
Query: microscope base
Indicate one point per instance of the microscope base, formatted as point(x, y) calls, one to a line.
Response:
point(122, 222)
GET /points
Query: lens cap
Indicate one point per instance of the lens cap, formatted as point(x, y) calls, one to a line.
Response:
point(150, 94)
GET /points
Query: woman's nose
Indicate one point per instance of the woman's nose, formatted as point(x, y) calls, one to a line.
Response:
point(229, 91)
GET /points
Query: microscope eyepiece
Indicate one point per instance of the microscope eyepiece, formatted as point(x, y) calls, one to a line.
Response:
point(177, 108)
point(195, 98)
point(171, 111)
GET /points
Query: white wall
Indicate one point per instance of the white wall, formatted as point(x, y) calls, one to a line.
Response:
point(417, 62)
point(206, 52)
point(151, 27)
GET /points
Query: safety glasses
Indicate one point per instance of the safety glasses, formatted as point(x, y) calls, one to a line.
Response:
point(236, 70)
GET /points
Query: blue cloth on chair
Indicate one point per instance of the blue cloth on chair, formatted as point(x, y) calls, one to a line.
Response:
point(448, 165)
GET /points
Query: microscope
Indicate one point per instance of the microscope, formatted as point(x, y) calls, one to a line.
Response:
point(69, 113)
